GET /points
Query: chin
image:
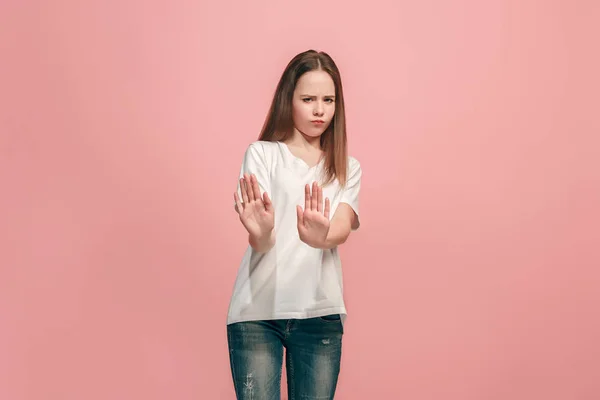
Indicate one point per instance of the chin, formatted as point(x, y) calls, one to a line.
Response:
point(312, 131)
point(314, 134)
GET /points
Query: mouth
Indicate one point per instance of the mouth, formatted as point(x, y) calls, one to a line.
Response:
point(318, 121)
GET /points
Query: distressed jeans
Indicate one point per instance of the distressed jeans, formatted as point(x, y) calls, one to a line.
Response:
point(313, 349)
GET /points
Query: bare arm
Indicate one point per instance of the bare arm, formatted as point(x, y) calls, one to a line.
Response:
point(341, 225)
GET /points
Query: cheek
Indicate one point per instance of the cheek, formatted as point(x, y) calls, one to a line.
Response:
point(300, 113)
point(332, 110)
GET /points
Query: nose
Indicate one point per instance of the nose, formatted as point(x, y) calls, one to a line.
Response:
point(318, 109)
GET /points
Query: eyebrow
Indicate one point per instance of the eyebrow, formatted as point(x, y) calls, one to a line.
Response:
point(308, 95)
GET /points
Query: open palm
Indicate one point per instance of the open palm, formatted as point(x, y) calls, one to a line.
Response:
point(256, 212)
point(313, 221)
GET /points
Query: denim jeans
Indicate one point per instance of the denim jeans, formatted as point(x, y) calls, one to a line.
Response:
point(313, 349)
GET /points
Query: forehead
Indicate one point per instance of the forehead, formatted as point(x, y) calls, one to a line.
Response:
point(315, 82)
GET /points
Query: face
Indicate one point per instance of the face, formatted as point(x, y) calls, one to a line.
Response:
point(313, 103)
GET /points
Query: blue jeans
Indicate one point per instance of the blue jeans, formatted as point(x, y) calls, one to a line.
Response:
point(313, 349)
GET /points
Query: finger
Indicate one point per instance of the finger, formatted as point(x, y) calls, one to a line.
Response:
point(300, 215)
point(313, 198)
point(238, 204)
point(267, 201)
point(243, 190)
point(307, 197)
point(249, 185)
point(327, 208)
point(255, 188)
point(320, 199)
point(248, 181)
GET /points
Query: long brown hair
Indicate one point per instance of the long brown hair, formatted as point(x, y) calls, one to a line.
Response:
point(279, 125)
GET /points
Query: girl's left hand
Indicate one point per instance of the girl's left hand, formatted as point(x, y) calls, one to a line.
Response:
point(313, 221)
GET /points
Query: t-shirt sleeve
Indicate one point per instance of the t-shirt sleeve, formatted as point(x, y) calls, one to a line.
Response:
point(255, 162)
point(351, 191)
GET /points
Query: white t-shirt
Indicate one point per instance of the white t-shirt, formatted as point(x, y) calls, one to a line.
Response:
point(292, 279)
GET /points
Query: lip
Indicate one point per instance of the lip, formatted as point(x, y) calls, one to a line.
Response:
point(318, 121)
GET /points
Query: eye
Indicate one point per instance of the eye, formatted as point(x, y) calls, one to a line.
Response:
point(329, 100)
point(306, 99)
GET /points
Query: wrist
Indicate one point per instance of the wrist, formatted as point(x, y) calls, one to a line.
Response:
point(322, 244)
point(332, 241)
point(262, 243)
point(327, 244)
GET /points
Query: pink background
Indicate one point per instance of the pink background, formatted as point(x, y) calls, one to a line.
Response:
point(475, 274)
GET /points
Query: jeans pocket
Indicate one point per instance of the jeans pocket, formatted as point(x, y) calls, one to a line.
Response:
point(330, 318)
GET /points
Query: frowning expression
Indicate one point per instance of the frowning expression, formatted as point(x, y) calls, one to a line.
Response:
point(313, 103)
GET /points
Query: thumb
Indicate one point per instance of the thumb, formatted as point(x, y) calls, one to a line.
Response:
point(300, 215)
point(267, 202)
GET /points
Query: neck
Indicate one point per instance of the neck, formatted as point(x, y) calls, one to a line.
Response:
point(303, 141)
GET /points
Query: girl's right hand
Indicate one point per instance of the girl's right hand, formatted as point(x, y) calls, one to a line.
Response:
point(256, 213)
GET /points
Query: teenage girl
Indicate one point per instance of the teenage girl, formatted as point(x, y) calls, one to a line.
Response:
point(297, 197)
